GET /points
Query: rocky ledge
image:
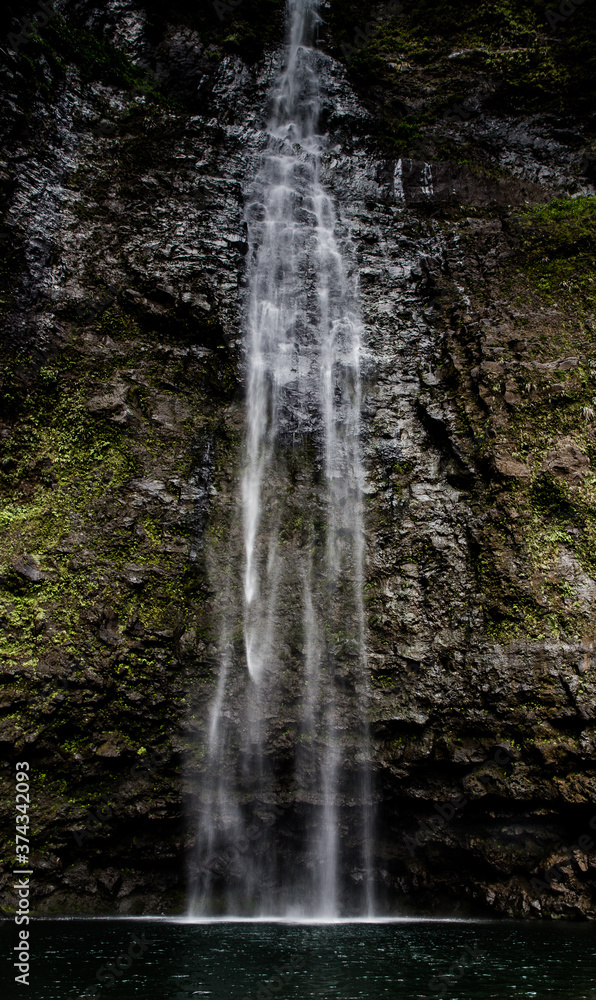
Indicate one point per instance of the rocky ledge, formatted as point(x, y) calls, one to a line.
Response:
point(461, 160)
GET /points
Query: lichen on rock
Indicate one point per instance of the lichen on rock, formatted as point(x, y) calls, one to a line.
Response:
point(460, 159)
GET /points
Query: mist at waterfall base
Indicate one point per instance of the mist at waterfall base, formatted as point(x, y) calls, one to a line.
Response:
point(348, 961)
point(297, 588)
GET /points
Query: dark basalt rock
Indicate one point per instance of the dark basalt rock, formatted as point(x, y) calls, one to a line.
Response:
point(28, 569)
point(121, 422)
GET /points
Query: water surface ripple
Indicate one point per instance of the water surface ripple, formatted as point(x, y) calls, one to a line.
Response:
point(410, 960)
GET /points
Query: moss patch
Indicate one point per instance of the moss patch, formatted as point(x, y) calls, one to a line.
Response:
point(412, 64)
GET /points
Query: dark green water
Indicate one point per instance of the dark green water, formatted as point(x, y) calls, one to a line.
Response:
point(260, 961)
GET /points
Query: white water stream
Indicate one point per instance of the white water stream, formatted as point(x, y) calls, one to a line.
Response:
point(303, 343)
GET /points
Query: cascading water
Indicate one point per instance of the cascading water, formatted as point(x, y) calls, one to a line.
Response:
point(285, 815)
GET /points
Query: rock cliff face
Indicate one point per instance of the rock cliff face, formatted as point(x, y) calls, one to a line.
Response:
point(461, 160)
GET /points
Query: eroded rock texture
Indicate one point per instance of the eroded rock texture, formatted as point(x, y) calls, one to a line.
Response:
point(130, 134)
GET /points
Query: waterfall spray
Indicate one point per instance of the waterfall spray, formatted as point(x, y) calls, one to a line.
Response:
point(303, 345)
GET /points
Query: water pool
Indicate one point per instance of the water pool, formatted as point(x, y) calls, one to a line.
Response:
point(400, 960)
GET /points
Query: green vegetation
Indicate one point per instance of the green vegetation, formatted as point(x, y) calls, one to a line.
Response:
point(403, 468)
point(66, 476)
point(558, 247)
point(243, 27)
point(43, 59)
point(505, 51)
point(536, 524)
point(385, 681)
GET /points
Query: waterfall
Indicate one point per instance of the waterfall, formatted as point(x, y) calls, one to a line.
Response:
point(285, 814)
